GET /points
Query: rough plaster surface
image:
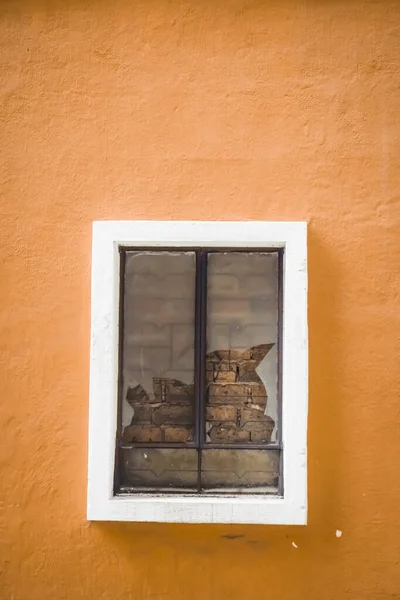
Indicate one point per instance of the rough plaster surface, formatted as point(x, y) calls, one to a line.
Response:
point(198, 110)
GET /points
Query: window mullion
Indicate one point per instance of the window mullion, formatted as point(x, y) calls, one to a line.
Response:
point(200, 352)
point(203, 347)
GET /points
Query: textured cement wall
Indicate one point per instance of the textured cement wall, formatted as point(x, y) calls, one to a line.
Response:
point(200, 110)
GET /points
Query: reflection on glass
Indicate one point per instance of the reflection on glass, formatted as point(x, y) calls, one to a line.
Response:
point(161, 468)
point(158, 347)
point(240, 471)
point(241, 363)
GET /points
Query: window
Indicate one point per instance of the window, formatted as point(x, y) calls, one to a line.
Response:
point(198, 401)
point(199, 377)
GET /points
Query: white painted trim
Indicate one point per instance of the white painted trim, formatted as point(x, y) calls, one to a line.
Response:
point(101, 505)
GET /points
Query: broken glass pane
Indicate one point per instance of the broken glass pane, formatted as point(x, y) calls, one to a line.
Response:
point(242, 359)
point(158, 347)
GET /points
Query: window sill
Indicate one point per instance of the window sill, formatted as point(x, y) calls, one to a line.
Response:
point(195, 509)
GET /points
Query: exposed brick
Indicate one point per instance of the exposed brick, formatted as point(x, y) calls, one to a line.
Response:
point(209, 375)
point(251, 413)
point(240, 369)
point(222, 371)
point(218, 399)
point(142, 433)
point(173, 414)
point(169, 390)
point(258, 392)
point(246, 368)
point(224, 376)
point(230, 354)
point(229, 390)
point(228, 433)
point(250, 376)
point(258, 353)
point(253, 424)
point(178, 399)
point(142, 413)
point(178, 434)
point(259, 425)
point(136, 395)
point(222, 413)
point(220, 365)
point(261, 437)
point(241, 393)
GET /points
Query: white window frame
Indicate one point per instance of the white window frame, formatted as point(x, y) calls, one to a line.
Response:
point(102, 505)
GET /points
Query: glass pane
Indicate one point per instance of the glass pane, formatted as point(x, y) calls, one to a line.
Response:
point(242, 358)
point(162, 468)
point(240, 471)
point(158, 347)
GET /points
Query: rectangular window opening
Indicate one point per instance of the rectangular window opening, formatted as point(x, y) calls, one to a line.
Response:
point(200, 402)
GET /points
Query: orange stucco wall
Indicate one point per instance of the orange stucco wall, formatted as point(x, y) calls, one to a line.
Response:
point(200, 110)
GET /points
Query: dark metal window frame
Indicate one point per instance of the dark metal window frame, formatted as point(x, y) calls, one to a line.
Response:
point(200, 333)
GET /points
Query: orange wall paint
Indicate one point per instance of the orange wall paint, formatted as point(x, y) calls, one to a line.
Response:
point(200, 110)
